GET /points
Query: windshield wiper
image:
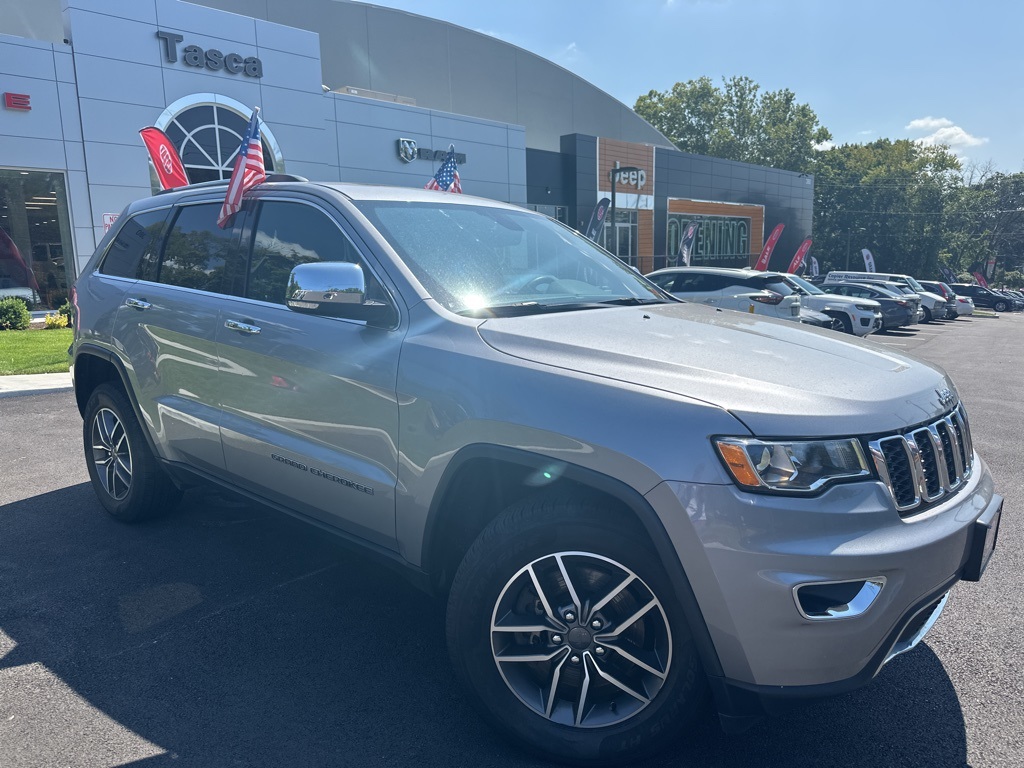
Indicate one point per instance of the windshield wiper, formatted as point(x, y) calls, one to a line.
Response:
point(633, 301)
point(520, 309)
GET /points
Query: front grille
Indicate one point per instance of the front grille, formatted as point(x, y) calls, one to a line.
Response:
point(926, 464)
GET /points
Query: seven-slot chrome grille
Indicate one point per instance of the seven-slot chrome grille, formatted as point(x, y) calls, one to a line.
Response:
point(925, 464)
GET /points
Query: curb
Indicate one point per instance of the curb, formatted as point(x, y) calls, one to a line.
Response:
point(34, 384)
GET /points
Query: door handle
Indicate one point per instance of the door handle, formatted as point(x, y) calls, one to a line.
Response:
point(137, 303)
point(234, 325)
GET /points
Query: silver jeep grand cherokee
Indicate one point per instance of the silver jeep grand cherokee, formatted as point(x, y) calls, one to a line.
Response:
point(627, 500)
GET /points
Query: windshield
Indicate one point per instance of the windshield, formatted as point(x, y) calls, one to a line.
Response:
point(914, 284)
point(476, 259)
point(810, 288)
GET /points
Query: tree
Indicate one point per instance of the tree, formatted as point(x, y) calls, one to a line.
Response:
point(887, 196)
point(736, 122)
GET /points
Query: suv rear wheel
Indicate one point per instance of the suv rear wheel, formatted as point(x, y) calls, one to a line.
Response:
point(128, 481)
point(565, 630)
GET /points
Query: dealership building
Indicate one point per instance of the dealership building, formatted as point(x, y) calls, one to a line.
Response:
point(347, 92)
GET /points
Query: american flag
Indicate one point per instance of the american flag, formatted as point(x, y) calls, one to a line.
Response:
point(447, 177)
point(249, 170)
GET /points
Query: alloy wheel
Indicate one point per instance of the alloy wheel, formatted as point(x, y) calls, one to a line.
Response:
point(111, 454)
point(581, 639)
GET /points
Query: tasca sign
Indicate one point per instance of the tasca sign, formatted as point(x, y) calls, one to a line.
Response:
point(210, 58)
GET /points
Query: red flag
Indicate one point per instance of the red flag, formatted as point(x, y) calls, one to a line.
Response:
point(766, 254)
point(981, 279)
point(798, 259)
point(165, 158)
point(249, 170)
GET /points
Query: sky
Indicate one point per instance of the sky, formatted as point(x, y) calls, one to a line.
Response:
point(939, 72)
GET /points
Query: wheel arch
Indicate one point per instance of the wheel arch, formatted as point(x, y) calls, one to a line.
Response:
point(493, 477)
point(95, 365)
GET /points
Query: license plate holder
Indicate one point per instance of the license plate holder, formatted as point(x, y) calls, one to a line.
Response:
point(984, 535)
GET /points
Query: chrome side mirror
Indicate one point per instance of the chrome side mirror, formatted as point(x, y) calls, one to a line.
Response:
point(333, 289)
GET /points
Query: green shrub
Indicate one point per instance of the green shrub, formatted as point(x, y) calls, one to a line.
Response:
point(65, 309)
point(56, 320)
point(14, 314)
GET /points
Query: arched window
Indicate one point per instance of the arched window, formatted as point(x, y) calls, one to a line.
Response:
point(207, 131)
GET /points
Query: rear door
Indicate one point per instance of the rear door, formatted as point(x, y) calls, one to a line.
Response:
point(310, 403)
point(167, 327)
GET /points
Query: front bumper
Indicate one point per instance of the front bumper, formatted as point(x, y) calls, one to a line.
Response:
point(745, 554)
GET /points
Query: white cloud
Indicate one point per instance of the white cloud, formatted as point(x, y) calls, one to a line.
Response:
point(868, 132)
point(928, 123)
point(825, 145)
point(944, 131)
point(568, 55)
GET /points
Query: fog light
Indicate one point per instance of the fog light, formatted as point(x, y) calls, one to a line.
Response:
point(837, 599)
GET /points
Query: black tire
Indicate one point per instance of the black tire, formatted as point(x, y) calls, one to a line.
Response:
point(1000, 306)
point(125, 475)
point(534, 543)
point(927, 315)
point(841, 323)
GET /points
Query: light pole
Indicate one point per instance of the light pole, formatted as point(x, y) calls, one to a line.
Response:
point(615, 177)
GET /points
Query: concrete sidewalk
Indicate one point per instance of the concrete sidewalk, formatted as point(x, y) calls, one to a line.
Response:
point(35, 384)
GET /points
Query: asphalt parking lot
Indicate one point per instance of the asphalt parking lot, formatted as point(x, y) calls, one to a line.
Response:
point(228, 635)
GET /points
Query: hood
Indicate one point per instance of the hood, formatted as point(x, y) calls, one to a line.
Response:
point(778, 377)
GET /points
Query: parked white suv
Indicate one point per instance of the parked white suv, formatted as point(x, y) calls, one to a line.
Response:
point(746, 290)
point(850, 315)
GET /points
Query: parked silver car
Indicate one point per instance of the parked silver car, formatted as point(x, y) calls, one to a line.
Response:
point(746, 290)
point(625, 499)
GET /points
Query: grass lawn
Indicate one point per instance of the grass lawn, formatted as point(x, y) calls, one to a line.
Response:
point(34, 351)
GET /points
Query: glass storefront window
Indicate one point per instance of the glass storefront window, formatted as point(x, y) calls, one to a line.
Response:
point(36, 256)
point(721, 241)
point(624, 243)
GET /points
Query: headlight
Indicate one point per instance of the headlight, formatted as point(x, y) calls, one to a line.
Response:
point(796, 466)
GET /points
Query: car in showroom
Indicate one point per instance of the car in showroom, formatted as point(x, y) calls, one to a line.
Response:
point(745, 290)
point(898, 310)
point(857, 315)
point(626, 501)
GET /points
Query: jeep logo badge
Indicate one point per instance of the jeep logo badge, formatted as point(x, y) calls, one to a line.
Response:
point(407, 150)
point(946, 398)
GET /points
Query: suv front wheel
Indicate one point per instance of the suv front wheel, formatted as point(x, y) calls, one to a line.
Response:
point(128, 481)
point(567, 633)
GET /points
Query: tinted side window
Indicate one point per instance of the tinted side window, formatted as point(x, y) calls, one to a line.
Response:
point(663, 281)
point(288, 234)
point(137, 242)
point(699, 283)
point(201, 255)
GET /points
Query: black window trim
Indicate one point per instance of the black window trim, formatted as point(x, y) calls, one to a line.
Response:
point(248, 241)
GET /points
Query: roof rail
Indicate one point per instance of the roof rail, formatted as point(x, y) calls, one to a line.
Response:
point(223, 182)
point(285, 177)
point(199, 185)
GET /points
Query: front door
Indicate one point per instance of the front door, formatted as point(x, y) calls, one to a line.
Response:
point(309, 403)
